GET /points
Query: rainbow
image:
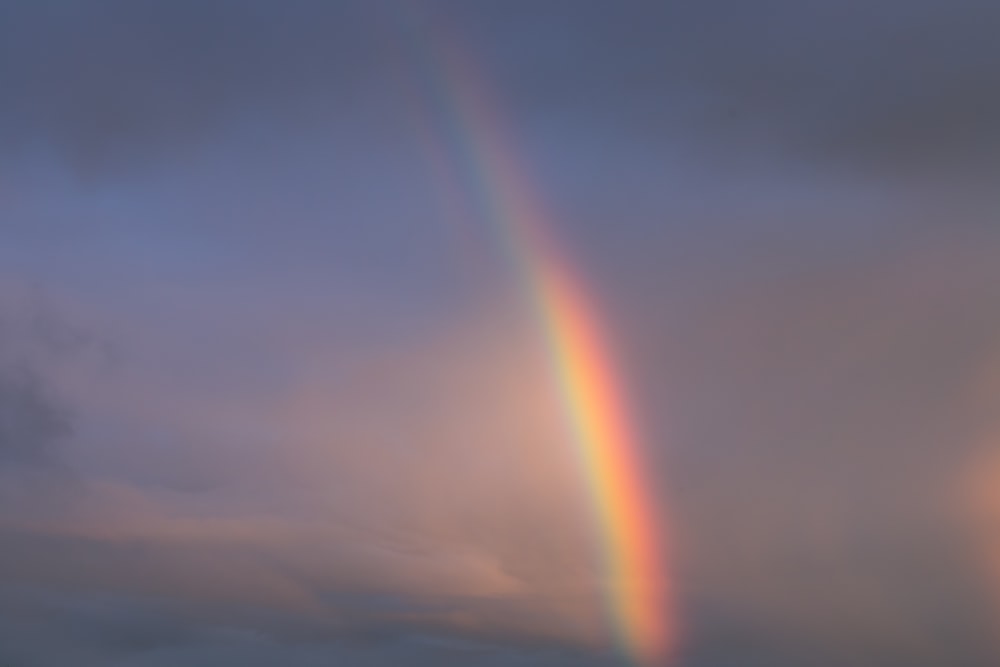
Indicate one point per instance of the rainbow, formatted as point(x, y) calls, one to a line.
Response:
point(582, 367)
point(600, 425)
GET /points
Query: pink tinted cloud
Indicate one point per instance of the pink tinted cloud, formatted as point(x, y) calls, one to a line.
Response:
point(435, 472)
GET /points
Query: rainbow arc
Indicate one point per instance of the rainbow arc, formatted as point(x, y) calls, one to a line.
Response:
point(593, 400)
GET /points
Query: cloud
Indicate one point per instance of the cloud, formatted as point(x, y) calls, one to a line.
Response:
point(811, 430)
point(428, 490)
point(33, 417)
point(30, 422)
point(307, 453)
point(890, 85)
point(106, 629)
point(975, 491)
point(819, 415)
point(108, 81)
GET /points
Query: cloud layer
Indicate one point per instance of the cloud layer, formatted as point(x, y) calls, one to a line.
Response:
point(270, 393)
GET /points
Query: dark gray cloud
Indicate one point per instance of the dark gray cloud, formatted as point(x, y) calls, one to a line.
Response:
point(33, 418)
point(892, 85)
point(902, 85)
point(897, 84)
point(42, 628)
point(31, 422)
point(109, 80)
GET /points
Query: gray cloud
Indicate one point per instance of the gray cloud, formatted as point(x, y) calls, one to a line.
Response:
point(898, 84)
point(33, 419)
point(43, 628)
point(903, 85)
point(31, 423)
point(821, 414)
point(108, 81)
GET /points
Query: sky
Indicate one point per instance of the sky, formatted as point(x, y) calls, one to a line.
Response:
point(279, 381)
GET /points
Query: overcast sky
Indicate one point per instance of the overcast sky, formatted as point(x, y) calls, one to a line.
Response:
point(270, 393)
